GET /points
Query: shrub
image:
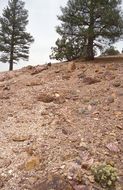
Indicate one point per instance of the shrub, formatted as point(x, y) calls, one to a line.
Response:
point(105, 175)
point(110, 51)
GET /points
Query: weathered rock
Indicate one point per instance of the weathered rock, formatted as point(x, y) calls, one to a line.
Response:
point(81, 75)
point(49, 64)
point(20, 138)
point(71, 67)
point(1, 183)
point(91, 80)
point(82, 111)
point(83, 145)
point(88, 163)
point(107, 75)
point(65, 132)
point(6, 87)
point(66, 76)
point(39, 69)
point(74, 172)
point(4, 162)
point(119, 127)
point(54, 182)
point(94, 102)
point(106, 108)
point(59, 100)
point(4, 96)
point(34, 83)
point(89, 107)
point(119, 92)
point(110, 99)
point(113, 147)
point(116, 83)
point(32, 163)
point(46, 98)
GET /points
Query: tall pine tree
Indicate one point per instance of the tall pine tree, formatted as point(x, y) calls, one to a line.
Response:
point(88, 24)
point(14, 40)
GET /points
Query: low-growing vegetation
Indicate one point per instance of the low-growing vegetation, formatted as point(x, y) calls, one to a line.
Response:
point(105, 175)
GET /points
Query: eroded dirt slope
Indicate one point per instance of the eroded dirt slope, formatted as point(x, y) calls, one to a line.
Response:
point(58, 121)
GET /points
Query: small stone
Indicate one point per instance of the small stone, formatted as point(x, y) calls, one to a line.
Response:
point(71, 66)
point(62, 167)
point(20, 138)
point(97, 70)
point(89, 108)
point(39, 69)
point(49, 64)
point(96, 119)
point(119, 92)
point(32, 163)
point(81, 110)
point(57, 71)
point(88, 163)
point(81, 75)
point(78, 161)
point(90, 80)
point(119, 127)
point(66, 76)
point(1, 183)
point(75, 172)
point(116, 84)
point(113, 147)
point(59, 100)
point(4, 162)
point(91, 179)
point(57, 95)
point(96, 113)
point(10, 172)
point(118, 114)
point(32, 179)
point(46, 98)
point(110, 99)
point(94, 102)
point(86, 99)
point(64, 131)
point(83, 145)
point(6, 87)
point(108, 75)
point(107, 108)
point(69, 177)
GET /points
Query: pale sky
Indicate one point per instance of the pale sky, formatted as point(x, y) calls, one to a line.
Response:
point(42, 22)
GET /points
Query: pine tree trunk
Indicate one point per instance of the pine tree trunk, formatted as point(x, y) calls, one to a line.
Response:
point(11, 65)
point(11, 51)
point(11, 57)
point(90, 39)
point(90, 53)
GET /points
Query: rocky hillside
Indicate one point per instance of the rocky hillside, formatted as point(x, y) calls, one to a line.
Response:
point(57, 122)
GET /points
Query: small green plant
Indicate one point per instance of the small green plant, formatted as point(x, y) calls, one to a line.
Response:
point(105, 175)
point(110, 51)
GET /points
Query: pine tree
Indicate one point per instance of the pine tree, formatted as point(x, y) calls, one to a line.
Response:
point(67, 49)
point(14, 40)
point(92, 23)
point(110, 51)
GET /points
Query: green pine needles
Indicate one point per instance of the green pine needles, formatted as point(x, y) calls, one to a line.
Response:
point(87, 25)
point(14, 40)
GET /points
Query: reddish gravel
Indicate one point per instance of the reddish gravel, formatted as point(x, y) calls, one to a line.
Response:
point(60, 120)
